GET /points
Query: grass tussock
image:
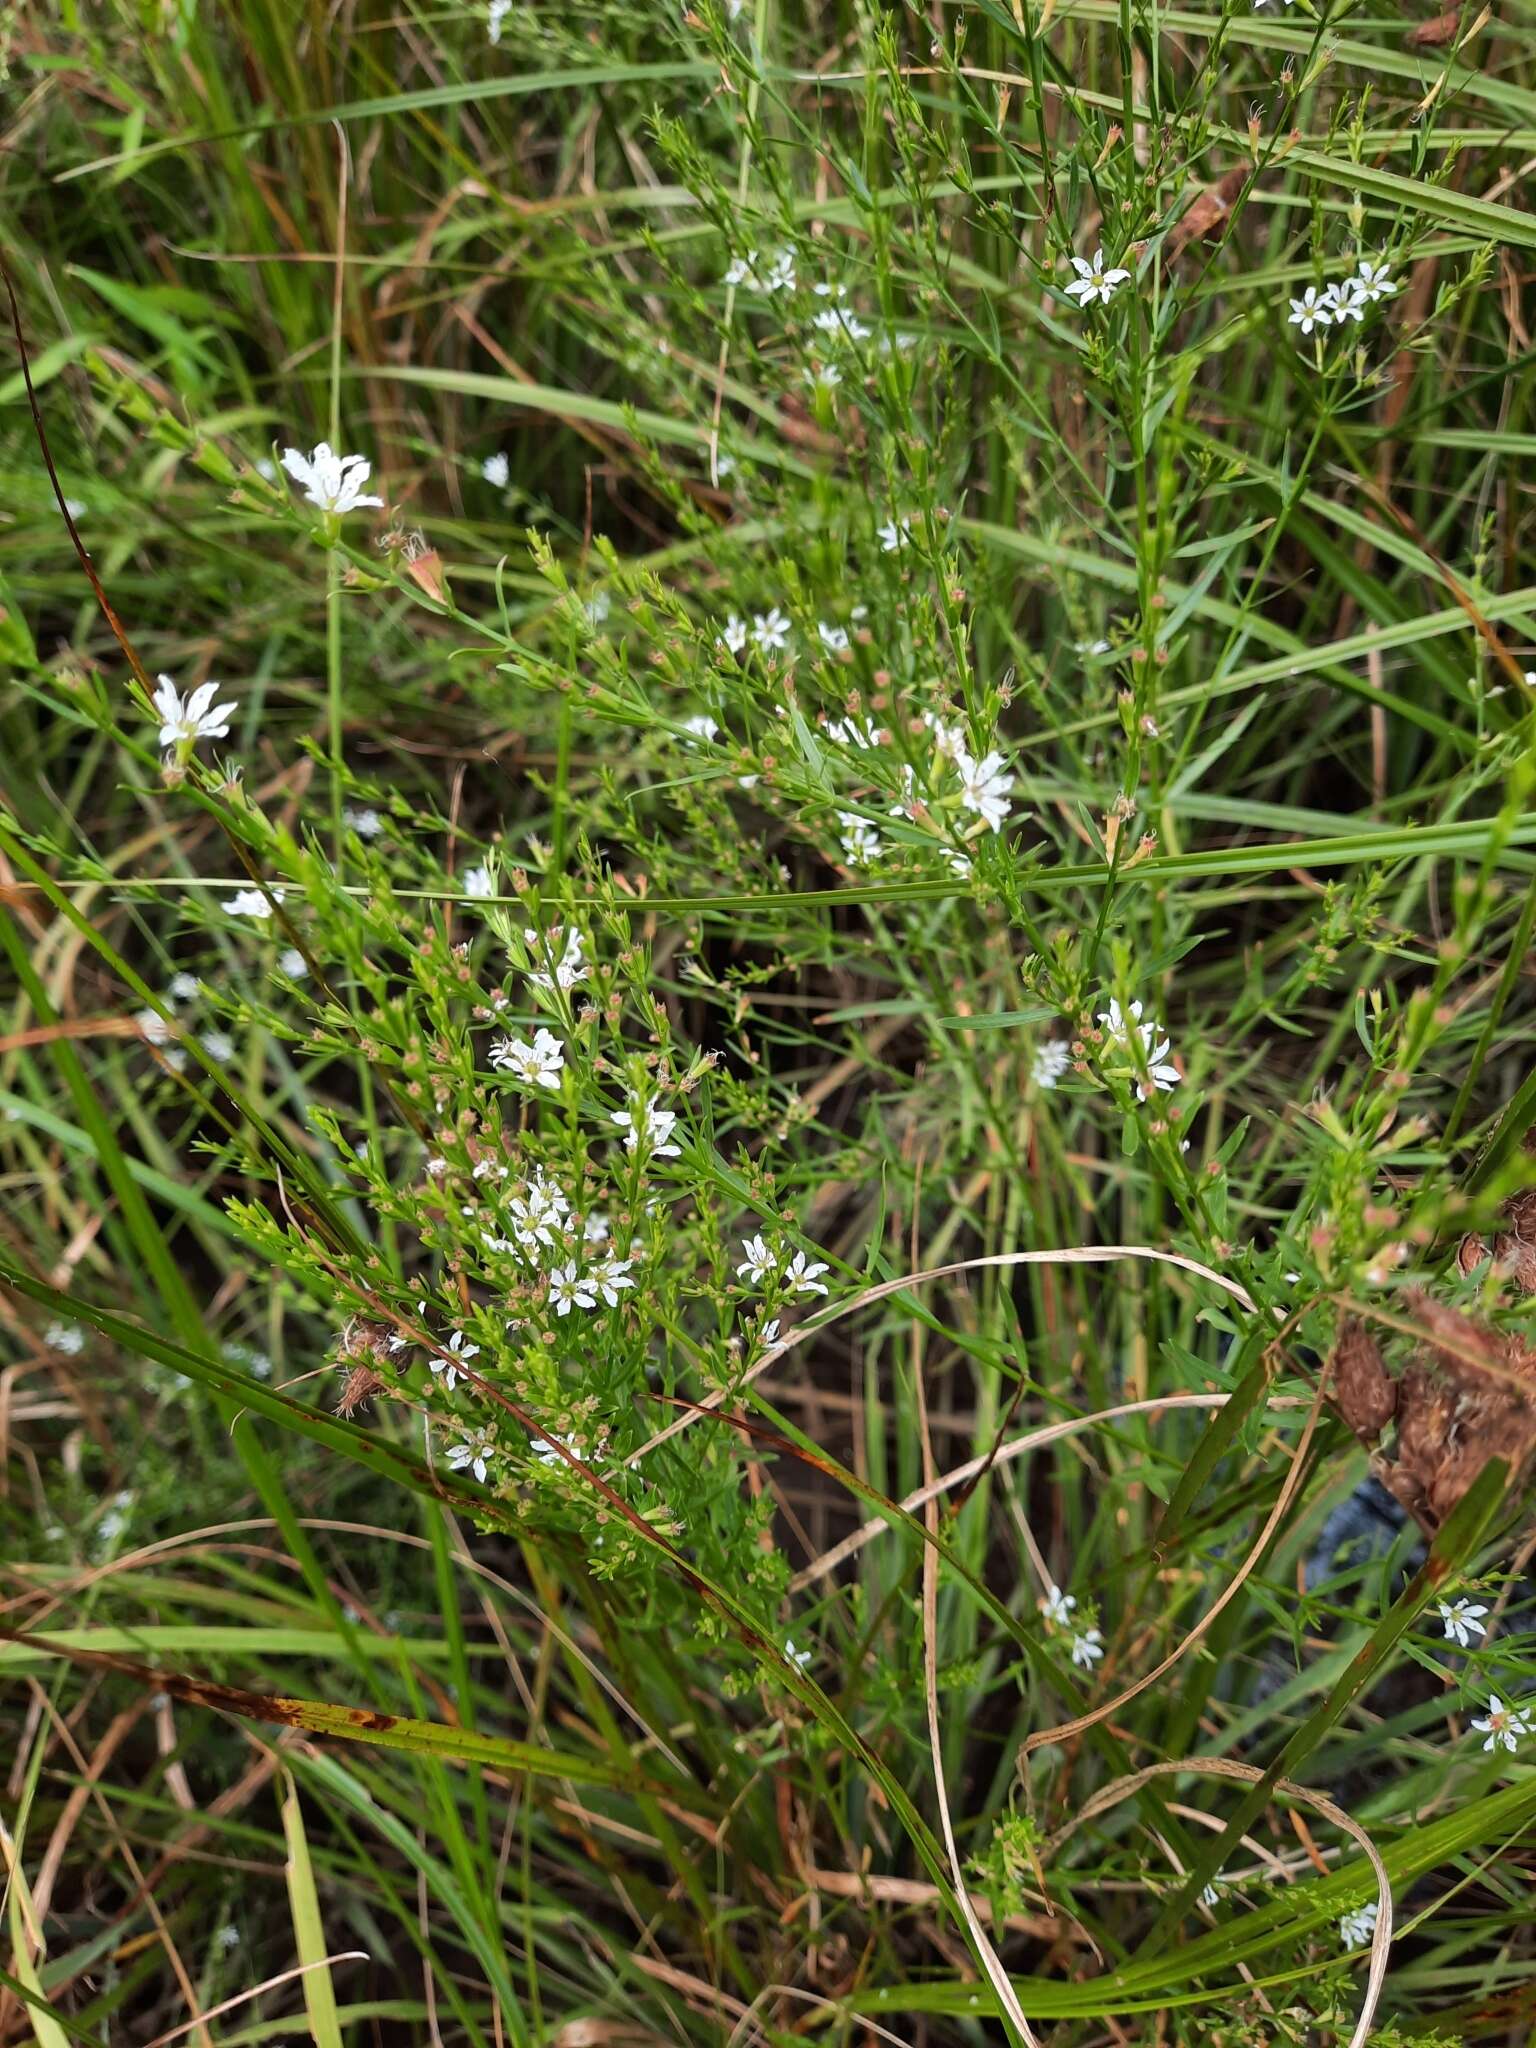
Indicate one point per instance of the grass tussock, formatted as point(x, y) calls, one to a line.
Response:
point(766, 890)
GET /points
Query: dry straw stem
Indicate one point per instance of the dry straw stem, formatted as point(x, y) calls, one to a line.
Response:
point(1248, 1774)
point(1070, 1255)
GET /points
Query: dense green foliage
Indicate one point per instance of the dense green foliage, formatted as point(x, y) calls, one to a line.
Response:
point(900, 819)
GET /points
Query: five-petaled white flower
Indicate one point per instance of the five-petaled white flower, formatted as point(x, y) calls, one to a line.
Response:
point(571, 966)
point(1154, 1049)
point(861, 842)
point(770, 630)
point(984, 787)
point(833, 638)
point(1057, 1607)
point(474, 1454)
point(1087, 1648)
point(569, 1289)
point(896, 533)
point(198, 718)
point(496, 14)
point(1462, 1621)
point(841, 324)
point(1502, 1724)
point(1357, 1926)
point(1093, 281)
point(1372, 281)
point(253, 902)
point(1310, 310)
point(496, 469)
point(734, 637)
point(1052, 1059)
point(758, 1261)
point(537, 1065)
point(800, 1274)
point(701, 726)
point(825, 377)
point(479, 882)
point(610, 1278)
point(460, 1353)
point(1343, 302)
point(331, 481)
point(655, 1124)
point(366, 823)
point(860, 733)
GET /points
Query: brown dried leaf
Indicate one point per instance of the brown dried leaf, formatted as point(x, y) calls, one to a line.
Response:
point(1362, 1390)
point(1469, 1396)
point(1207, 216)
point(1429, 35)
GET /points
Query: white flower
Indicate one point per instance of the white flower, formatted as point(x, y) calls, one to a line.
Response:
point(959, 863)
point(570, 968)
point(331, 481)
point(742, 269)
point(782, 276)
point(462, 1353)
point(768, 1335)
point(896, 533)
point(598, 607)
point(1087, 1648)
point(479, 881)
point(841, 325)
point(1503, 1724)
point(1310, 311)
point(609, 1277)
point(861, 842)
point(198, 718)
point(1343, 302)
point(116, 1518)
point(488, 1169)
point(759, 1260)
point(292, 963)
point(1373, 280)
point(1462, 1621)
point(537, 1065)
point(568, 1288)
point(985, 787)
point(183, 988)
point(219, 1046)
point(825, 377)
point(734, 638)
point(833, 638)
point(65, 1337)
point(1057, 1607)
point(538, 1213)
point(1093, 281)
point(801, 1658)
point(947, 739)
point(656, 1124)
point(701, 725)
point(154, 1027)
point(862, 734)
point(800, 1275)
point(474, 1454)
point(252, 902)
point(495, 15)
point(366, 823)
point(594, 1229)
point(770, 630)
point(1051, 1061)
point(496, 469)
point(1154, 1048)
point(1357, 1926)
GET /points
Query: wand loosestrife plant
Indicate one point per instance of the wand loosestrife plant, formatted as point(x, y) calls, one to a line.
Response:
point(848, 647)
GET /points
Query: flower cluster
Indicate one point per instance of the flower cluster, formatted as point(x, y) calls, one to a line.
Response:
point(767, 1269)
point(1085, 1644)
point(1337, 304)
point(1141, 1037)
